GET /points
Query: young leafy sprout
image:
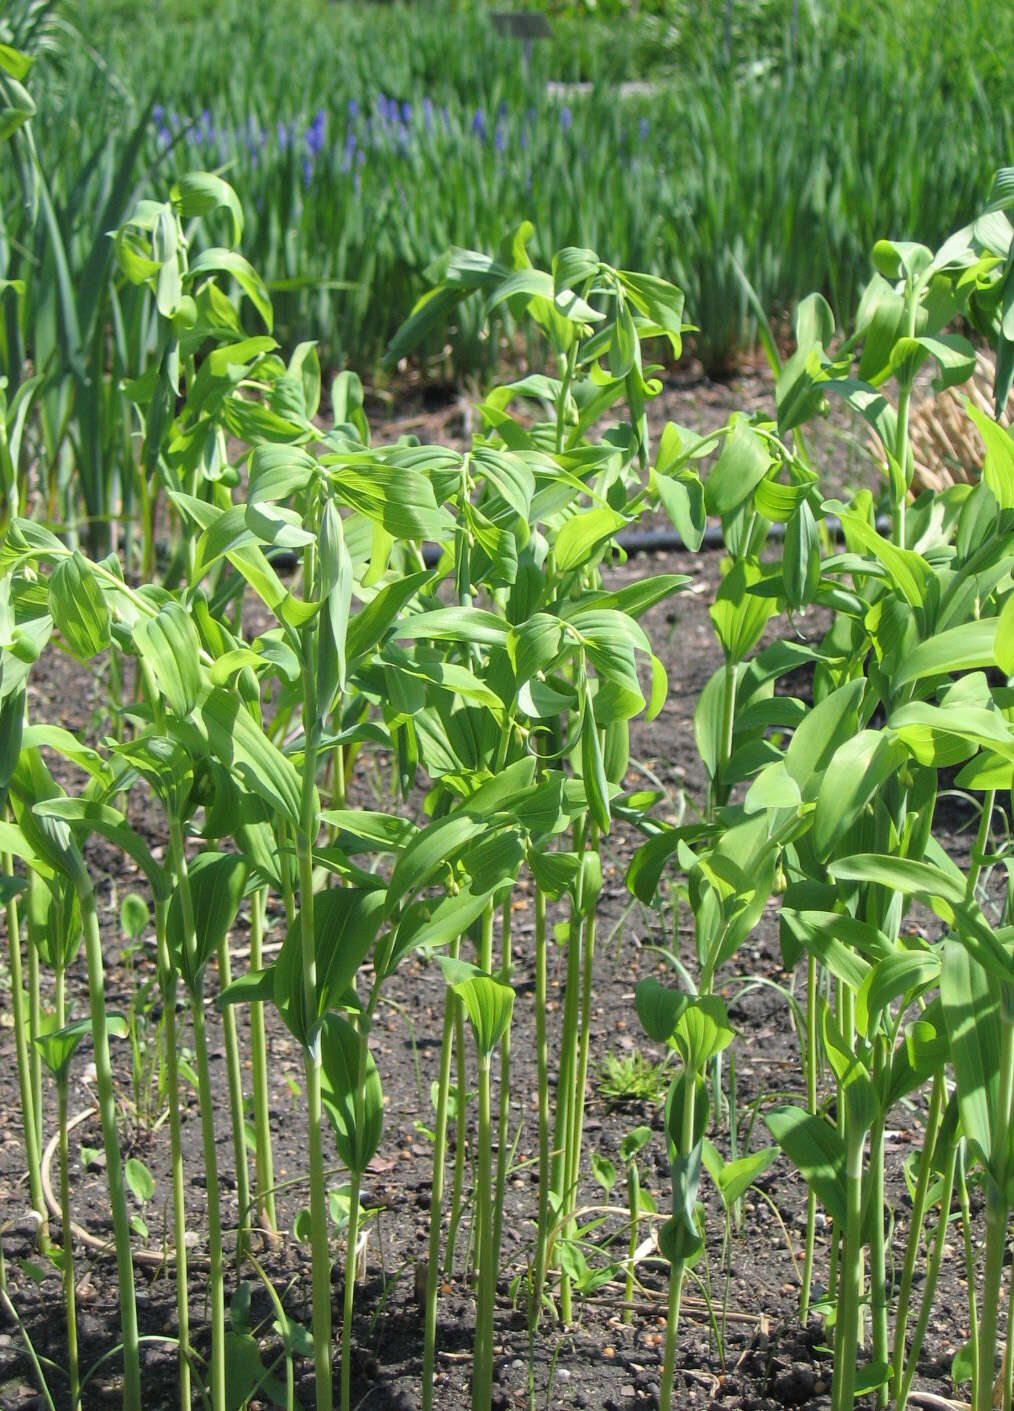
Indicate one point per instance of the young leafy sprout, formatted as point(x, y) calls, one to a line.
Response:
point(452, 611)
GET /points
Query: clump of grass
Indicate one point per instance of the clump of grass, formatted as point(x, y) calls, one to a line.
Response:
point(623, 1078)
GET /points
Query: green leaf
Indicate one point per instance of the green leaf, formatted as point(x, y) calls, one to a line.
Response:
point(972, 1002)
point(908, 570)
point(702, 1031)
point(902, 874)
point(457, 624)
point(220, 261)
point(170, 649)
point(351, 1092)
point(741, 466)
point(817, 1152)
point(139, 1179)
point(246, 1374)
point(659, 1008)
point(489, 1004)
point(965, 648)
point(998, 466)
point(734, 1178)
point(856, 773)
point(198, 192)
point(739, 616)
point(58, 1046)
point(216, 885)
point(78, 607)
point(584, 534)
point(107, 821)
point(240, 744)
point(593, 773)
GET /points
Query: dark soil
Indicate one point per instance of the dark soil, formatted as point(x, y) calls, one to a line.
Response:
point(741, 1345)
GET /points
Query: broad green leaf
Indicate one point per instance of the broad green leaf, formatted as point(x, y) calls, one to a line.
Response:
point(682, 498)
point(908, 570)
point(972, 1002)
point(351, 1092)
point(139, 1179)
point(584, 534)
point(58, 1046)
point(242, 747)
point(734, 1178)
point(906, 875)
point(229, 262)
point(969, 647)
point(742, 464)
point(95, 817)
point(216, 882)
point(857, 771)
point(822, 732)
point(659, 1008)
point(702, 1031)
point(170, 649)
point(817, 1152)
point(457, 624)
point(198, 192)
point(740, 616)
point(998, 466)
point(489, 1004)
point(429, 853)
point(593, 774)
point(78, 607)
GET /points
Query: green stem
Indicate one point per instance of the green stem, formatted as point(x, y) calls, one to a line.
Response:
point(633, 1205)
point(811, 1107)
point(348, 1301)
point(33, 1158)
point(542, 1062)
point(878, 1257)
point(981, 842)
point(437, 1193)
point(677, 1272)
point(216, 1272)
point(482, 1373)
point(503, 1126)
point(35, 1029)
point(167, 985)
point(964, 1204)
point(321, 1268)
point(110, 1141)
point(69, 1299)
point(265, 1165)
point(997, 1213)
point(932, 1274)
point(850, 1279)
point(731, 677)
point(460, 1138)
point(237, 1111)
point(915, 1232)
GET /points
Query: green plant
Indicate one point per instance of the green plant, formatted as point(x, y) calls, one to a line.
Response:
point(629, 1077)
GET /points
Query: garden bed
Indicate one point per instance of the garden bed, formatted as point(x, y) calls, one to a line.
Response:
point(741, 1347)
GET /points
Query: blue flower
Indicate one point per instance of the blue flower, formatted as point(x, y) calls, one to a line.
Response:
point(157, 113)
point(307, 171)
point(406, 112)
point(352, 108)
point(315, 133)
point(566, 118)
point(283, 136)
point(643, 129)
point(479, 125)
point(428, 113)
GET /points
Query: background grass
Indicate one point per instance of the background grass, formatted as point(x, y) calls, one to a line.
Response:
point(365, 139)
